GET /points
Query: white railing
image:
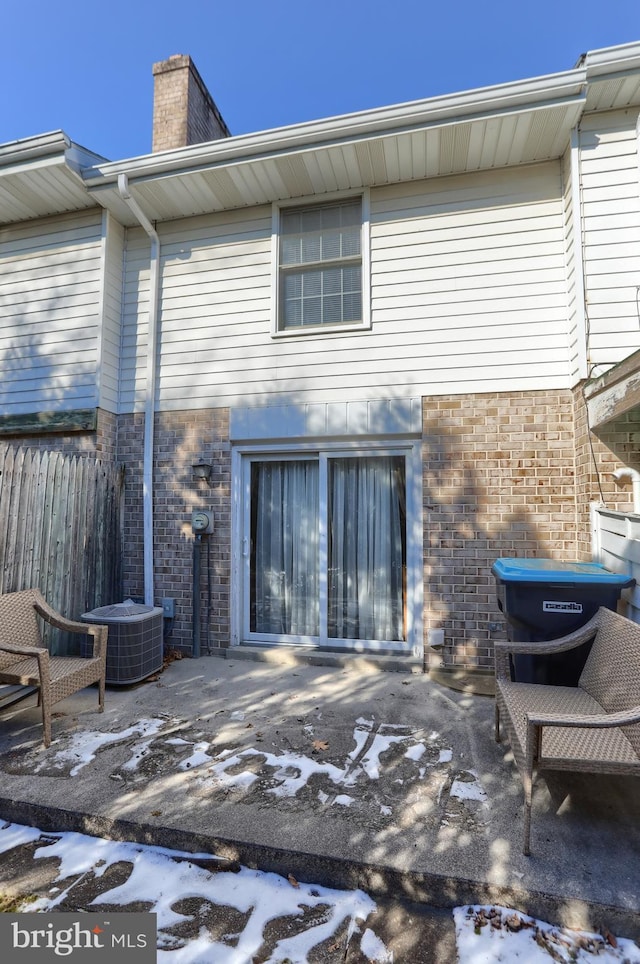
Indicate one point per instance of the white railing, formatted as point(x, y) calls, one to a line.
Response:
point(615, 543)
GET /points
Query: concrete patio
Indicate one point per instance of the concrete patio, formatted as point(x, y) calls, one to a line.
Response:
point(390, 782)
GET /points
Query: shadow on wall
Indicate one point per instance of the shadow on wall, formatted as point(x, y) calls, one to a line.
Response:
point(497, 480)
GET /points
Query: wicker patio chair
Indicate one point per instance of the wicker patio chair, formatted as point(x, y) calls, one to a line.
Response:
point(593, 727)
point(24, 659)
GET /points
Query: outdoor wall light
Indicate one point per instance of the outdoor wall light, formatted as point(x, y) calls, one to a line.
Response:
point(202, 470)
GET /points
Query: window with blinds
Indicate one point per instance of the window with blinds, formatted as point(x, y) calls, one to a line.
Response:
point(320, 265)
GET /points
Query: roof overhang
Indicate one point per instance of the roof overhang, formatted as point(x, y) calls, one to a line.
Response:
point(41, 176)
point(491, 128)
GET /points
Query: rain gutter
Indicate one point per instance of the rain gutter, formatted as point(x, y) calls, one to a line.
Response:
point(150, 386)
point(541, 93)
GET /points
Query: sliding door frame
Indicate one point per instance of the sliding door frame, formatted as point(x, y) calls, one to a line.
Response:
point(323, 450)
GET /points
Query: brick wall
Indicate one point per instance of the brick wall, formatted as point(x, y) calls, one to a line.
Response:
point(594, 465)
point(499, 480)
point(181, 439)
point(106, 443)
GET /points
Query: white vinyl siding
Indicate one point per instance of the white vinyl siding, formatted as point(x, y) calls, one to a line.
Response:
point(468, 279)
point(135, 321)
point(611, 232)
point(468, 293)
point(214, 311)
point(111, 314)
point(50, 281)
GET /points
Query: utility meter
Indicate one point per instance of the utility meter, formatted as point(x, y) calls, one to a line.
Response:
point(201, 521)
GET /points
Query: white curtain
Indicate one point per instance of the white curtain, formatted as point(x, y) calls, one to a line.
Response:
point(285, 548)
point(366, 548)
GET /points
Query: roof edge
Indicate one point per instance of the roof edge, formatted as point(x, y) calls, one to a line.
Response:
point(46, 146)
point(518, 95)
point(612, 60)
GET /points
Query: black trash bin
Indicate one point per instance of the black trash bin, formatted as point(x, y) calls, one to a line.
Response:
point(543, 599)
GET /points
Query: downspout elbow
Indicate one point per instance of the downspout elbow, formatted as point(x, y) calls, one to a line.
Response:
point(624, 475)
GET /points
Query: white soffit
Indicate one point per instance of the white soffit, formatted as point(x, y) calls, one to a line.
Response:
point(373, 159)
point(40, 176)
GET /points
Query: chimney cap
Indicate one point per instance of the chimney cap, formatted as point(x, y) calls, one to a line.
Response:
point(174, 62)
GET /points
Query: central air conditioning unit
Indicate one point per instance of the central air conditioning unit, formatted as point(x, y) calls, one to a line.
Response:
point(135, 643)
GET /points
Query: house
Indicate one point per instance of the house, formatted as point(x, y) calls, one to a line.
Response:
point(394, 336)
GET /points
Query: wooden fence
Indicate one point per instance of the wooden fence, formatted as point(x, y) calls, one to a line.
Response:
point(60, 531)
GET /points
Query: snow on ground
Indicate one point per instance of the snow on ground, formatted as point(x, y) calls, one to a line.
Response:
point(163, 878)
point(291, 771)
point(84, 745)
point(468, 789)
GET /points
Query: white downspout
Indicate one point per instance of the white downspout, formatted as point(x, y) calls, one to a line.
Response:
point(582, 336)
point(150, 387)
point(622, 476)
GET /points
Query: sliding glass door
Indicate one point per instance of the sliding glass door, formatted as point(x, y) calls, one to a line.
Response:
point(326, 549)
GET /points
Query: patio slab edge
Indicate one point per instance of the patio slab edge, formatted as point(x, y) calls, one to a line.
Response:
point(422, 888)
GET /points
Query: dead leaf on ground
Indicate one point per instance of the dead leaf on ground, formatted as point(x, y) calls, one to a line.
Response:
point(320, 745)
point(292, 880)
point(172, 655)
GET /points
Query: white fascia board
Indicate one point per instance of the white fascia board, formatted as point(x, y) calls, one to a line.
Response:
point(30, 148)
point(54, 144)
point(612, 61)
point(551, 90)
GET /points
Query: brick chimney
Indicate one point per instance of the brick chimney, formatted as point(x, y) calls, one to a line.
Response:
point(183, 110)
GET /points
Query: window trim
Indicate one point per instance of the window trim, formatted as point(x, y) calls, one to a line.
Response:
point(332, 329)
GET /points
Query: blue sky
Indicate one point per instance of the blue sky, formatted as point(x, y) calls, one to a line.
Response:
point(86, 68)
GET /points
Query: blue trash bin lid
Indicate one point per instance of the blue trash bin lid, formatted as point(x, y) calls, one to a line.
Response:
point(550, 570)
